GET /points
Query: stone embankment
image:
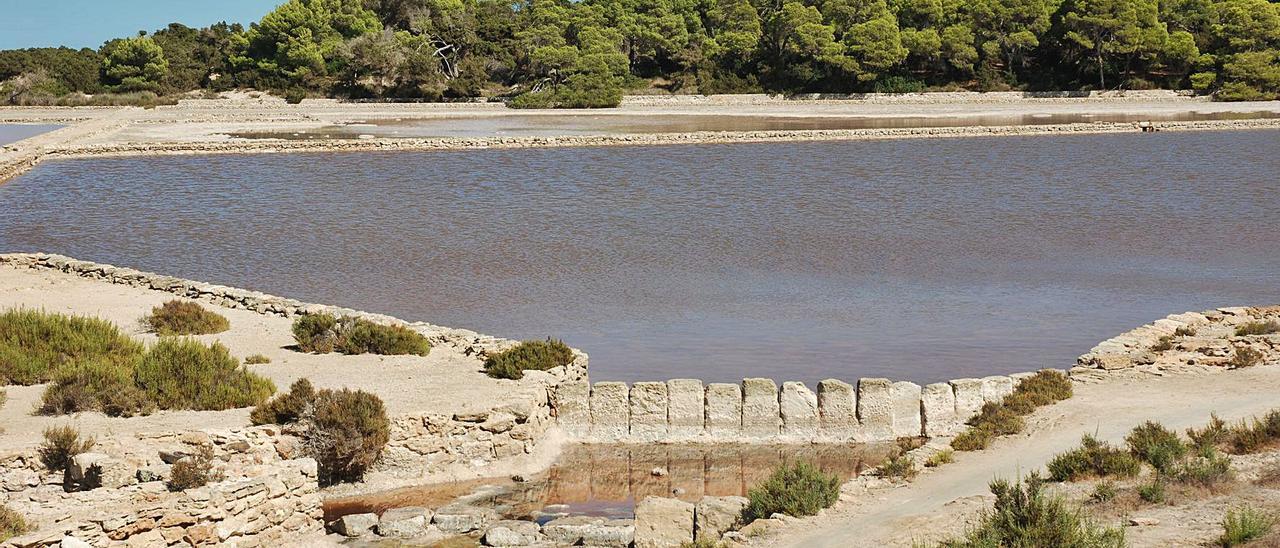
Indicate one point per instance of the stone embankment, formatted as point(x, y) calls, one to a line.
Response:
point(931, 97)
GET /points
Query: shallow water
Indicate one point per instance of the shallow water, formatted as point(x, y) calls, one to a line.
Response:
point(12, 133)
point(517, 125)
point(921, 259)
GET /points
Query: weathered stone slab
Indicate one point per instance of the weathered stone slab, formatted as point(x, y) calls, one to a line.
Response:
point(685, 408)
point(715, 516)
point(457, 519)
point(875, 409)
point(512, 533)
point(610, 411)
point(573, 408)
point(724, 410)
point(996, 387)
point(906, 409)
point(404, 522)
point(663, 523)
point(569, 530)
point(938, 409)
point(648, 411)
point(799, 409)
point(760, 413)
point(837, 409)
point(968, 398)
point(354, 525)
point(615, 533)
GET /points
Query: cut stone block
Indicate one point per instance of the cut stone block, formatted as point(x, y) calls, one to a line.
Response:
point(760, 413)
point(875, 409)
point(685, 412)
point(573, 408)
point(906, 410)
point(663, 523)
point(996, 387)
point(648, 411)
point(938, 410)
point(799, 410)
point(610, 411)
point(724, 410)
point(968, 398)
point(837, 409)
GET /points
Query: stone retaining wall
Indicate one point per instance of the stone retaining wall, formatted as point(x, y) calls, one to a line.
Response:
point(932, 97)
point(759, 411)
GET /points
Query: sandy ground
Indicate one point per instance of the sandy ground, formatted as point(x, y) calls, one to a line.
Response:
point(942, 502)
point(445, 381)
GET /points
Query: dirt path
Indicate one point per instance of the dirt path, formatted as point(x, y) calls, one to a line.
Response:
point(938, 503)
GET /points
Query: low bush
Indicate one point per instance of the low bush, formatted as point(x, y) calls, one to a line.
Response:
point(1152, 492)
point(528, 355)
point(1104, 491)
point(1258, 328)
point(12, 523)
point(1092, 458)
point(1005, 418)
point(34, 345)
point(344, 430)
point(1212, 435)
point(1025, 516)
point(325, 333)
point(900, 467)
point(1165, 343)
point(1248, 436)
point(1245, 356)
point(945, 456)
point(194, 471)
point(61, 444)
point(178, 317)
point(257, 359)
point(187, 374)
point(96, 386)
point(1206, 469)
point(286, 408)
point(797, 490)
point(1156, 445)
point(1184, 331)
point(1243, 525)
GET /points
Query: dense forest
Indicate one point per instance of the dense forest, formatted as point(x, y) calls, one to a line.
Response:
point(587, 53)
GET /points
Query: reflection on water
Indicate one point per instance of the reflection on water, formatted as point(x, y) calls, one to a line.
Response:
point(607, 480)
point(583, 124)
point(12, 133)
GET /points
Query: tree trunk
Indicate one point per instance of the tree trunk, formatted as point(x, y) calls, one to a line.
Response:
point(1102, 75)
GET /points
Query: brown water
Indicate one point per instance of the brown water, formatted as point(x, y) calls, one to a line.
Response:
point(607, 480)
point(516, 125)
point(12, 133)
point(923, 259)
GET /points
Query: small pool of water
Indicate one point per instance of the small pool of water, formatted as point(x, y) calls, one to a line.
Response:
point(12, 133)
point(607, 480)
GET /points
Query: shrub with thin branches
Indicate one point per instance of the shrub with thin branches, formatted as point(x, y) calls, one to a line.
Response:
point(1242, 525)
point(12, 523)
point(1156, 445)
point(1245, 356)
point(797, 490)
point(1258, 328)
point(60, 445)
point(1005, 418)
point(344, 430)
point(899, 467)
point(1092, 458)
point(528, 355)
point(945, 456)
point(1024, 515)
point(324, 333)
point(286, 408)
point(194, 471)
point(180, 373)
point(178, 317)
point(34, 345)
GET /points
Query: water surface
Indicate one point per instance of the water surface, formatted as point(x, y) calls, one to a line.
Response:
point(12, 133)
point(921, 259)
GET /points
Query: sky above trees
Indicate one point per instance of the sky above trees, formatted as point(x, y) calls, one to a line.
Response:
point(90, 23)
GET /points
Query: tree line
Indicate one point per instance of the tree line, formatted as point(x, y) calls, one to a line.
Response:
point(586, 53)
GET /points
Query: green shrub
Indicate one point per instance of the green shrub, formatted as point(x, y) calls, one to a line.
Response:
point(257, 359)
point(945, 456)
point(1206, 469)
point(900, 466)
point(1165, 343)
point(1258, 328)
point(1152, 492)
point(1254, 435)
point(325, 333)
point(899, 84)
point(1024, 516)
point(35, 345)
point(797, 490)
point(187, 374)
point(1212, 435)
point(96, 385)
point(1092, 458)
point(1243, 525)
point(1104, 491)
point(286, 408)
point(536, 355)
point(1156, 445)
point(346, 433)
point(11, 523)
point(61, 444)
point(1005, 418)
point(1184, 331)
point(1245, 356)
point(179, 317)
point(194, 471)
point(973, 439)
point(295, 96)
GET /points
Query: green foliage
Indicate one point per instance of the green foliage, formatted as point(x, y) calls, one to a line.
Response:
point(1165, 343)
point(34, 345)
point(134, 64)
point(1104, 491)
point(945, 456)
point(344, 430)
point(1242, 525)
point(257, 359)
point(1156, 445)
point(1005, 418)
point(796, 490)
point(1024, 515)
point(1249, 436)
point(1206, 469)
point(178, 317)
point(1152, 492)
point(1092, 458)
point(528, 355)
point(179, 373)
point(286, 408)
point(60, 445)
point(194, 471)
point(1245, 356)
point(1184, 331)
point(1258, 328)
point(298, 42)
point(898, 467)
point(12, 523)
point(326, 333)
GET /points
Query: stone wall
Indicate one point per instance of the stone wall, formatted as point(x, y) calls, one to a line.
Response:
point(758, 410)
point(932, 97)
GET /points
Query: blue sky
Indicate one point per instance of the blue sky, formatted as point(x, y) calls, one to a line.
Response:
point(89, 23)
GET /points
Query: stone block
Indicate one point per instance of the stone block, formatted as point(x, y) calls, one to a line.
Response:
point(354, 525)
point(837, 409)
point(996, 387)
point(569, 530)
point(573, 408)
point(610, 413)
point(715, 516)
point(938, 410)
point(875, 409)
point(114, 473)
point(81, 469)
point(685, 408)
point(457, 519)
point(405, 522)
point(760, 413)
point(799, 409)
point(615, 533)
point(724, 410)
point(513, 533)
point(648, 411)
point(906, 409)
point(968, 398)
point(663, 523)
